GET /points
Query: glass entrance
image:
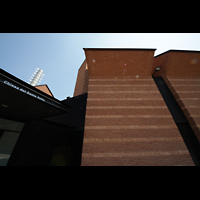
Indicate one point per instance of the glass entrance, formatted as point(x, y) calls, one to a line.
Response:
point(9, 133)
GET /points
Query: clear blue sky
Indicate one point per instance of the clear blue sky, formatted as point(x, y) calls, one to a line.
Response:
point(61, 54)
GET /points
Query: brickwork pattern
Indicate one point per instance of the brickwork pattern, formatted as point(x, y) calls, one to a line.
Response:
point(82, 80)
point(119, 62)
point(187, 93)
point(45, 89)
point(181, 72)
point(128, 123)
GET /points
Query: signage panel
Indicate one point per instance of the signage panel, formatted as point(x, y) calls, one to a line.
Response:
point(36, 94)
point(23, 90)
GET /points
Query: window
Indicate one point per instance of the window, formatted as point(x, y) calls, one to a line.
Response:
point(9, 133)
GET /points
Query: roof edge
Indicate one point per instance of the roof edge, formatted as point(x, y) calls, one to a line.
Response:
point(118, 49)
point(47, 88)
point(178, 50)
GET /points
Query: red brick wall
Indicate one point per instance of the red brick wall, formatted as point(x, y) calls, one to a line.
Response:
point(127, 121)
point(82, 80)
point(183, 63)
point(178, 63)
point(162, 61)
point(119, 62)
point(44, 88)
point(187, 93)
point(182, 75)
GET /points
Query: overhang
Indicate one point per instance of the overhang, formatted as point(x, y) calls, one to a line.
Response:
point(23, 102)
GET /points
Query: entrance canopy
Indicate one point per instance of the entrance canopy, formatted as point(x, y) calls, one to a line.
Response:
point(23, 102)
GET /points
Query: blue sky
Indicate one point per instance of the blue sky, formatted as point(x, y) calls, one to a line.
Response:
point(61, 54)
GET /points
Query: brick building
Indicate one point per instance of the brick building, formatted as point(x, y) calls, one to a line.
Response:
point(134, 118)
point(129, 108)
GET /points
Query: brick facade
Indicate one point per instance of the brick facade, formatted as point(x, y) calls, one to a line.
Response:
point(181, 72)
point(44, 88)
point(82, 80)
point(127, 121)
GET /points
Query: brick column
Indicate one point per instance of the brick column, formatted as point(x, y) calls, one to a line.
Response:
point(127, 121)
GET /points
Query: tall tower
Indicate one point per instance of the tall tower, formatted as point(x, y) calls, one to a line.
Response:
point(36, 77)
point(127, 121)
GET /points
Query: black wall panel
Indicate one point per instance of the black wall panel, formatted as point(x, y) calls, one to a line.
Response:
point(53, 141)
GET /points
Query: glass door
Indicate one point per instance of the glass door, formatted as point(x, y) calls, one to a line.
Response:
point(9, 133)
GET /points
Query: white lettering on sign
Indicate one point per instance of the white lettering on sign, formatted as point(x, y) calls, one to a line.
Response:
point(22, 90)
point(40, 98)
point(10, 84)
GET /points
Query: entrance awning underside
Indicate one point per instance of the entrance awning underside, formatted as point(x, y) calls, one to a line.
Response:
point(21, 101)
